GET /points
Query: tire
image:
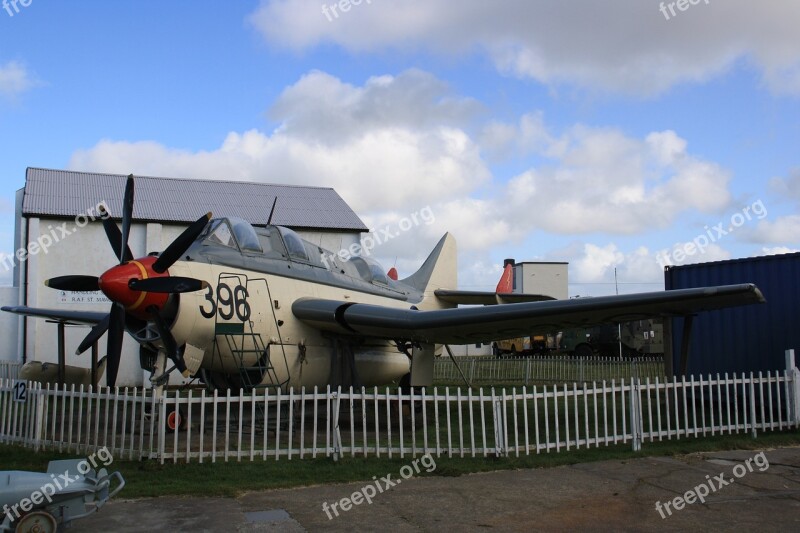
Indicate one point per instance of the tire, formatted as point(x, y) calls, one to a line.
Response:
point(584, 350)
point(176, 420)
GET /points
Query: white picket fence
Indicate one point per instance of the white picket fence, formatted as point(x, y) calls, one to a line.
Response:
point(449, 422)
point(9, 370)
point(545, 369)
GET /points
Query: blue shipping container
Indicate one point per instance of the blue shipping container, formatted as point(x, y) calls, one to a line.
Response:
point(741, 339)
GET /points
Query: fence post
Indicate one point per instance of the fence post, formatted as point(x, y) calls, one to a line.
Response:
point(40, 418)
point(794, 390)
point(527, 370)
point(161, 426)
point(635, 416)
point(337, 436)
point(753, 431)
point(499, 426)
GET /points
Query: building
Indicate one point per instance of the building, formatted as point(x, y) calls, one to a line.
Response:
point(539, 277)
point(751, 338)
point(58, 224)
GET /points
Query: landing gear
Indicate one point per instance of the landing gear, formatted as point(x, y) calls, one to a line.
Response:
point(176, 420)
point(584, 351)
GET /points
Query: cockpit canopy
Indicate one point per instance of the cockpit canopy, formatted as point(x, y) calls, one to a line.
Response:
point(294, 244)
point(233, 232)
point(370, 270)
point(276, 242)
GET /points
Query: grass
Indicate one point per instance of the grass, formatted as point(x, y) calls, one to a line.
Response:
point(151, 479)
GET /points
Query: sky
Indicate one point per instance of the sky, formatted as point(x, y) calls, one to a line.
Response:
point(617, 136)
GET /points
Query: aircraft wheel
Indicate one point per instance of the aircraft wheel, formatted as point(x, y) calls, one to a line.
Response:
point(40, 521)
point(176, 420)
point(583, 350)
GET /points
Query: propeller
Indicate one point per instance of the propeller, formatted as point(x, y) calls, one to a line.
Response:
point(94, 335)
point(170, 346)
point(176, 248)
point(170, 285)
point(140, 288)
point(116, 330)
point(73, 283)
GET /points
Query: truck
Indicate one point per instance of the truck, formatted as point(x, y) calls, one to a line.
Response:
point(640, 338)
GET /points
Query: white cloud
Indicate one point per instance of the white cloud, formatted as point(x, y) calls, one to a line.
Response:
point(783, 230)
point(14, 80)
point(627, 45)
point(788, 187)
point(602, 180)
point(778, 250)
point(394, 143)
point(389, 154)
point(592, 266)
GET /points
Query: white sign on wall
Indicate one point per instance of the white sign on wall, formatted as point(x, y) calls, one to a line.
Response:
point(82, 297)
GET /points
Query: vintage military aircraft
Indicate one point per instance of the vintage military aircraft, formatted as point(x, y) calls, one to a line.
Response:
point(243, 306)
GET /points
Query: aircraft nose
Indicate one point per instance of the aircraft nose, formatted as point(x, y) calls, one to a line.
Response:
point(114, 284)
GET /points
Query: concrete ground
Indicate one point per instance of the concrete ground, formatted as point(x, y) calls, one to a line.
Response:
point(608, 495)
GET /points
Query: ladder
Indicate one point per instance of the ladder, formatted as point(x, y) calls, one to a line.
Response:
point(245, 345)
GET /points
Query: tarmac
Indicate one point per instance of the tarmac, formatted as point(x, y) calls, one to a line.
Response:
point(740, 490)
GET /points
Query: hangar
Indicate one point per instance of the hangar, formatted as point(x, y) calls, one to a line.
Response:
point(55, 235)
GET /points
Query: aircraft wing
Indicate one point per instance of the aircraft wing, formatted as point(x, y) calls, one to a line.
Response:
point(483, 324)
point(58, 315)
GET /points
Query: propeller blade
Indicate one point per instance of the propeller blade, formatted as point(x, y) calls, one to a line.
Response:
point(174, 284)
point(116, 330)
point(170, 346)
point(73, 283)
point(96, 332)
point(176, 248)
point(114, 236)
point(127, 215)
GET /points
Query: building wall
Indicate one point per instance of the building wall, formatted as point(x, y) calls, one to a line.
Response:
point(550, 279)
point(8, 328)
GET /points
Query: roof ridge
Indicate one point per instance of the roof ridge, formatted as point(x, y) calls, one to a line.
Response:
point(198, 180)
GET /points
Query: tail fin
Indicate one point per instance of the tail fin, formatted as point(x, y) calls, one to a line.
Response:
point(506, 283)
point(439, 271)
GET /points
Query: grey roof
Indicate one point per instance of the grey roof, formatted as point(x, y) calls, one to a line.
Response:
point(69, 193)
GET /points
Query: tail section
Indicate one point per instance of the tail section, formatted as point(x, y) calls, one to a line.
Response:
point(506, 283)
point(439, 271)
